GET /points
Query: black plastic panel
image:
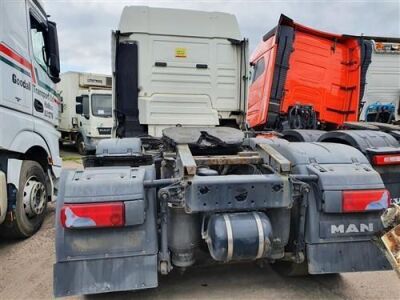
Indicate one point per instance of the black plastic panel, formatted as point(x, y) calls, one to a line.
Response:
point(345, 257)
point(366, 53)
point(285, 38)
point(127, 90)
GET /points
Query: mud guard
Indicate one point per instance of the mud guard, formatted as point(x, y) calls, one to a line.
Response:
point(360, 139)
point(371, 143)
point(302, 135)
point(99, 260)
point(327, 236)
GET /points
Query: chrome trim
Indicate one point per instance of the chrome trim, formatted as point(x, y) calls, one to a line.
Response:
point(260, 230)
point(230, 237)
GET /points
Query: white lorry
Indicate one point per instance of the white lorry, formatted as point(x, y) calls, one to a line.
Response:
point(143, 206)
point(191, 73)
point(381, 100)
point(29, 154)
point(86, 110)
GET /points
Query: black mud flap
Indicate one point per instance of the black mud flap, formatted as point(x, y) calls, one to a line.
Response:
point(352, 256)
point(94, 276)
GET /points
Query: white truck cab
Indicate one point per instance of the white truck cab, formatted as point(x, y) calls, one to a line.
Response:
point(86, 111)
point(177, 67)
point(29, 154)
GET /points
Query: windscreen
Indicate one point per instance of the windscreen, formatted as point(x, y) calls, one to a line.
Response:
point(102, 105)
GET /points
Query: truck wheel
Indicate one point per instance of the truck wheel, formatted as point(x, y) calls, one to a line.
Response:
point(80, 145)
point(31, 203)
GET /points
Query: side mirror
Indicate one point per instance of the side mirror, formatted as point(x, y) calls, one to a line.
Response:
point(52, 52)
point(79, 108)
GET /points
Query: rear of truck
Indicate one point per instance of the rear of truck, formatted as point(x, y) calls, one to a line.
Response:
point(381, 101)
point(306, 79)
point(213, 196)
point(144, 206)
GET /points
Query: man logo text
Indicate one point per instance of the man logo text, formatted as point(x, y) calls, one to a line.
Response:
point(351, 228)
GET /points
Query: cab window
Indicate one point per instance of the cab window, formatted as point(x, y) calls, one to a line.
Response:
point(85, 106)
point(102, 105)
point(38, 45)
point(258, 69)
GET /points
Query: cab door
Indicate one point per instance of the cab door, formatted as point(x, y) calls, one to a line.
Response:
point(260, 87)
point(84, 118)
point(256, 90)
point(45, 99)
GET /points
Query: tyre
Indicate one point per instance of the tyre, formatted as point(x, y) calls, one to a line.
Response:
point(31, 203)
point(80, 145)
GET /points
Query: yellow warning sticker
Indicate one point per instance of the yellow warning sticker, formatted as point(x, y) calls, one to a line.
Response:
point(180, 52)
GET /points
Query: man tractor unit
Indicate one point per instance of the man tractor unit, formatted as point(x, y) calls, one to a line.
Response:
point(146, 205)
point(29, 155)
point(86, 109)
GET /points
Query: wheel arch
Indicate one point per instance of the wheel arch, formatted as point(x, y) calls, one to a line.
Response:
point(26, 141)
point(28, 144)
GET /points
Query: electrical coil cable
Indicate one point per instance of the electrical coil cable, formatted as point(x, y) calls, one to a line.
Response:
point(302, 117)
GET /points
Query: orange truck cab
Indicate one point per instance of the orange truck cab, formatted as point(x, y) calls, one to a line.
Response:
point(306, 79)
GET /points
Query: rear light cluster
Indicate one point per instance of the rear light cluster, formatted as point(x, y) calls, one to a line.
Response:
point(88, 215)
point(386, 159)
point(365, 200)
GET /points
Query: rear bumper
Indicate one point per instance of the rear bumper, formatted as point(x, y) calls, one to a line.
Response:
point(352, 256)
point(94, 276)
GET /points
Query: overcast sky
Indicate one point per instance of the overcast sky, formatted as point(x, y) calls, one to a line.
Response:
point(84, 26)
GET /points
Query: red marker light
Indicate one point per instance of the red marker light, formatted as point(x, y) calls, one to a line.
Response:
point(365, 200)
point(386, 159)
point(87, 215)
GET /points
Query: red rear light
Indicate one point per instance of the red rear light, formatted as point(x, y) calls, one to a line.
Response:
point(111, 214)
point(365, 200)
point(386, 159)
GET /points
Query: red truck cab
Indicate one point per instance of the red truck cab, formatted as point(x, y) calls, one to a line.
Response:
point(306, 78)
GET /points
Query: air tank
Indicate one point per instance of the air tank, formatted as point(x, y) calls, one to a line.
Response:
point(238, 236)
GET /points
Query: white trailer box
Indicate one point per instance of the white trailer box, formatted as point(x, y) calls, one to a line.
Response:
point(94, 122)
point(382, 90)
point(190, 68)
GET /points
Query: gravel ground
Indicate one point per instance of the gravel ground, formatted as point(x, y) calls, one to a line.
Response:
point(26, 273)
